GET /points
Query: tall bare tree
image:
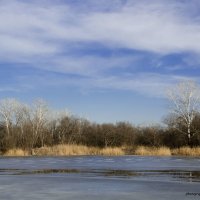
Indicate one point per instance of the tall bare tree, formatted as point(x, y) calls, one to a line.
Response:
point(39, 120)
point(22, 123)
point(185, 103)
point(8, 108)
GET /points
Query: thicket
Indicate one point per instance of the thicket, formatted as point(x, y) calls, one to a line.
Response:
point(27, 127)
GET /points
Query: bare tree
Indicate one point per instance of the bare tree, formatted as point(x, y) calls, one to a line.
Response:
point(185, 104)
point(39, 120)
point(8, 109)
point(22, 123)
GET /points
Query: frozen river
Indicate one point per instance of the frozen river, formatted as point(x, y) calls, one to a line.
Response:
point(97, 177)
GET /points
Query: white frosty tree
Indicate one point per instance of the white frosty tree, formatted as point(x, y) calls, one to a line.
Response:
point(12, 114)
point(39, 119)
point(8, 108)
point(185, 103)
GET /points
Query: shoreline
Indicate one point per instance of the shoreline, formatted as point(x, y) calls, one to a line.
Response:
point(80, 150)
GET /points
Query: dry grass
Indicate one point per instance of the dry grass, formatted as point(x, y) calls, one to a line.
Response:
point(64, 150)
point(16, 152)
point(186, 151)
point(117, 151)
point(68, 150)
point(152, 151)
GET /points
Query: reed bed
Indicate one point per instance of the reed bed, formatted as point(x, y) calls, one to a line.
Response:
point(65, 150)
point(73, 149)
point(186, 151)
point(111, 151)
point(152, 151)
point(16, 152)
point(68, 150)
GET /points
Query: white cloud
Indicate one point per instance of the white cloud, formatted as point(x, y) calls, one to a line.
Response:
point(40, 33)
point(151, 84)
point(8, 89)
point(90, 65)
point(146, 84)
point(150, 27)
point(158, 26)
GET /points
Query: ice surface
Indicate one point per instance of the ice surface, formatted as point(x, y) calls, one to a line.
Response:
point(98, 177)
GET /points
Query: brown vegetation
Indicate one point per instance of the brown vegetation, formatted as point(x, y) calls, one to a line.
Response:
point(66, 150)
point(109, 151)
point(16, 152)
point(186, 151)
point(153, 151)
point(71, 150)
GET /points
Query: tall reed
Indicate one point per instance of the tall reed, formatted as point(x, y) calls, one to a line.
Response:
point(152, 151)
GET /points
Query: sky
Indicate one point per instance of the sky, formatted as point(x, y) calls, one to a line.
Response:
point(106, 61)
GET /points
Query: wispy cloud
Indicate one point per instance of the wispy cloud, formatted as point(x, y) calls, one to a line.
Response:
point(43, 27)
point(46, 35)
point(146, 84)
point(8, 89)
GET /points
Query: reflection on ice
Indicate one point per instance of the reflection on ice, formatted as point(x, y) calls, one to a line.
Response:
point(170, 175)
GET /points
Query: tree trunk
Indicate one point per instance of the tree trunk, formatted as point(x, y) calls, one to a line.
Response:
point(189, 135)
point(189, 139)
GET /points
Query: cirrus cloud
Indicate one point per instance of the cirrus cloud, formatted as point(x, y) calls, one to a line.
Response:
point(56, 35)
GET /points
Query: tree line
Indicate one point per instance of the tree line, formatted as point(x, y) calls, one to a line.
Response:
point(33, 126)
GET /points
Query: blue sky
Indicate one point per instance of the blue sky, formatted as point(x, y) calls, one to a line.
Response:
point(103, 60)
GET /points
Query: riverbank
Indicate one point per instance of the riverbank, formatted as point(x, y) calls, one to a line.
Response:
point(70, 150)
